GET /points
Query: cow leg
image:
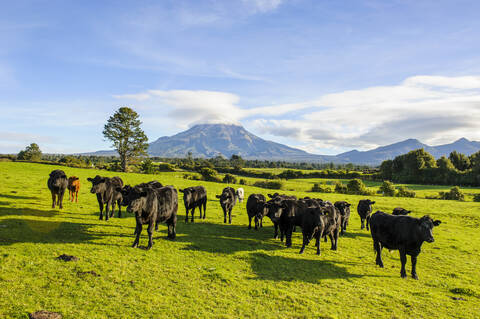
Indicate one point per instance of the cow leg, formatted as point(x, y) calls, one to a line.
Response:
point(224, 215)
point(171, 227)
point(275, 234)
point(119, 204)
point(230, 216)
point(336, 234)
point(363, 223)
point(368, 222)
point(317, 242)
point(288, 235)
point(150, 235)
point(60, 198)
point(100, 205)
point(76, 197)
point(53, 199)
point(204, 209)
point(378, 248)
point(332, 241)
point(325, 238)
point(186, 215)
point(107, 210)
point(193, 213)
point(305, 243)
point(138, 231)
point(113, 209)
point(250, 222)
point(257, 223)
point(156, 225)
point(261, 222)
point(414, 267)
point(403, 260)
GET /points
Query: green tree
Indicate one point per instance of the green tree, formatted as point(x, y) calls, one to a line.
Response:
point(387, 188)
point(31, 153)
point(237, 162)
point(123, 130)
point(459, 160)
point(147, 166)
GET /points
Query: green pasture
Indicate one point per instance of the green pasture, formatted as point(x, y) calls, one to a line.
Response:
point(213, 270)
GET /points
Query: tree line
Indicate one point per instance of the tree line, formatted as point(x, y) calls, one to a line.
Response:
point(420, 167)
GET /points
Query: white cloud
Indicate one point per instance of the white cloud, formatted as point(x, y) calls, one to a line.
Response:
point(433, 109)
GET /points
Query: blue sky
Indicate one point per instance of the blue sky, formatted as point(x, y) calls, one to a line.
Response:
point(324, 76)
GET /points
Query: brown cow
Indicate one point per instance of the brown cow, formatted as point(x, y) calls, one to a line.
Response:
point(73, 188)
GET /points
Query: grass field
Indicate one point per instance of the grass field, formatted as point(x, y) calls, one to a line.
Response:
point(217, 270)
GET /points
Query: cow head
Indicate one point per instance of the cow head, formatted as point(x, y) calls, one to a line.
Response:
point(125, 191)
point(187, 195)
point(426, 226)
point(343, 207)
point(58, 178)
point(98, 184)
point(137, 199)
point(275, 209)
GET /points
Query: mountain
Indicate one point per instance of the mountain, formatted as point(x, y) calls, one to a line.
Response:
point(210, 140)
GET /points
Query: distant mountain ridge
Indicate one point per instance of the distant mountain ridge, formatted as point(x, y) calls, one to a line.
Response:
point(210, 140)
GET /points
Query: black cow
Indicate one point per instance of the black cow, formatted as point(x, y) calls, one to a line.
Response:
point(332, 223)
point(194, 197)
point(106, 190)
point(274, 210)
point(256, 209)
point(344, 209)
point(403, 233)
point(227, 201)
point(400, 211)
point(364, 209)
point(57, 183)
point(126, 191)
point(313, 225)
point(291, 216)
point(152, 206)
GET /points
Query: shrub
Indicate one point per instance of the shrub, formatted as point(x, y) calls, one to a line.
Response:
point(230, 179)
point(387, 188)
point(166, 167)
point(209, 174)
point(243, 181)
point(321, 188)
point(340, 188)
point(269, 184)
point(476, 198)
point(454, 194)
point(405, 192)
point(147, 166)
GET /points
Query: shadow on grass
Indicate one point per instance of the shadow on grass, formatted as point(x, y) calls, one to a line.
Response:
point(279, 268)
point(40, 231)
point(354, 235)
point(17, 196)
point(8, 211)
point(225, 239)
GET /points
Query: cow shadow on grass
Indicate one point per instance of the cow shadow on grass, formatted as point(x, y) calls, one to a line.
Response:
point(279, 268)
point(225, 239)
point(17, 196)
point(349, 234)
point(40, 231)
point(8, 211)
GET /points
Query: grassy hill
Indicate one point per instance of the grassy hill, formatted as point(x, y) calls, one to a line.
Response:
point(217, 270)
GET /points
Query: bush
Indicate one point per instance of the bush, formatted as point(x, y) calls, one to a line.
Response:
point(405, 192)
point(269, 184)
point(476, 198)
point(387, 188)
point(147, 167)
point(321, 188)
point(209, 174)
point(230, 179)
point(243, 181)
point(454, 194)
point(166, 167)
point(340, 188)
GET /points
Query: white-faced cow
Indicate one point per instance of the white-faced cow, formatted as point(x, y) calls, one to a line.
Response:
point(106, 190)
point(240, 194)
point(364, 210)
point(193, 197)
point(57, 184)
point(403, 233)
point(227, 201)
point(152, 206)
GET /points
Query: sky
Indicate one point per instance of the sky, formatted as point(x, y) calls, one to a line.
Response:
point(323, 76)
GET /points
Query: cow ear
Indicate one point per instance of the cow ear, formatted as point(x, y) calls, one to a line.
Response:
point(348, 204)
point(270, 195)
point(437, 222)
point(89, 179)
point(371, 203)
point(218, 196)
point(180, 190)
point(408, 212)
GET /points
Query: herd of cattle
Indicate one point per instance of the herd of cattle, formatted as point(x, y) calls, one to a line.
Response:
point(152, 203)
